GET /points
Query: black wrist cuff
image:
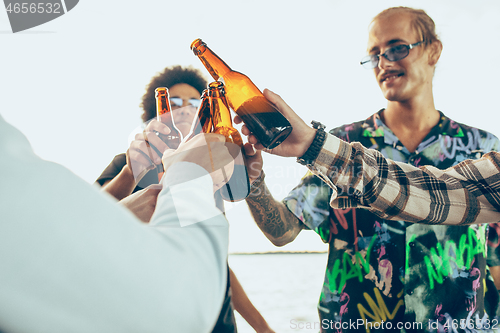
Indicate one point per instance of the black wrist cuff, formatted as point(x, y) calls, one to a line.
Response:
point(315, 147)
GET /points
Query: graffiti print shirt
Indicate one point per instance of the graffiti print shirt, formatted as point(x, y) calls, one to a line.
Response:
point(394, 272)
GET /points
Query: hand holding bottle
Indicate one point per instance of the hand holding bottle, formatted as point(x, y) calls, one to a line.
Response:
point(147, 148)
point(299, 140)
point(210, 151)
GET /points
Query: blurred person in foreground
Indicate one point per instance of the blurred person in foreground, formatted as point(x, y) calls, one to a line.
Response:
point(72, 260)
point(410, 277)
point(185, 85)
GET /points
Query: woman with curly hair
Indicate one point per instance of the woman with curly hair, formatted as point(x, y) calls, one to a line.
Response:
point(185, 85)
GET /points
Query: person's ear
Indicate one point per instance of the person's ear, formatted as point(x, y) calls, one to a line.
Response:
point(434, 53)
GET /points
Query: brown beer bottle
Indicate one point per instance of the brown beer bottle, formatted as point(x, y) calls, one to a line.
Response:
point(259, 115)
point(163, 107)
point(238, 186)
point(202, 122)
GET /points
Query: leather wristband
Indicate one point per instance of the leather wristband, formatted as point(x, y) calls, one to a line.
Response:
point(315, 147)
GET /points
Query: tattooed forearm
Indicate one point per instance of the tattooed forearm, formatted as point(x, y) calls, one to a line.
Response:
point(272, 217)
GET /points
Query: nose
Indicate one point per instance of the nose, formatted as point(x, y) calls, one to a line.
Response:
point(184, 111)
point(187, 108)
point(383, 62)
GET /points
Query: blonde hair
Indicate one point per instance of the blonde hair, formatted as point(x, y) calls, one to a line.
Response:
point(421, 22)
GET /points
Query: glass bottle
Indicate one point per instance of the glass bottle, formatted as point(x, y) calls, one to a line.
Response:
point(202, 122)
point(258, 114)
point(238, 186)
point(173, 139)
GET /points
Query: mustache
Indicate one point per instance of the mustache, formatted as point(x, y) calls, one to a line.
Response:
point(386, 74)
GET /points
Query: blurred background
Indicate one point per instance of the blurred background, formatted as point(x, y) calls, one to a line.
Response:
point(73, 87)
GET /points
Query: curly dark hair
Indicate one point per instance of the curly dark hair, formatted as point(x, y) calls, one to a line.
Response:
point(169, 77)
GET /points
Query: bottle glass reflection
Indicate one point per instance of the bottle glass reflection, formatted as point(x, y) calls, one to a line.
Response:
point(202, 122)
point(238, 186)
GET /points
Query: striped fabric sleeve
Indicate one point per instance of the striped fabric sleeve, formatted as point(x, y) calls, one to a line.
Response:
point(464, 194)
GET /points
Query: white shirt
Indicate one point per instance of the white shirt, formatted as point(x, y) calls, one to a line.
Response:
point(72, 260)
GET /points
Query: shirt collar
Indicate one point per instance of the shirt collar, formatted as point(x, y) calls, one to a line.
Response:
point(374, 127)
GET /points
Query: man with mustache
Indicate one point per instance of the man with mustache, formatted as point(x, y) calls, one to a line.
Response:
point(380, 271)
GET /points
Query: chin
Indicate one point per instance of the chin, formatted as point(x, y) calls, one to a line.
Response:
point(392, 96)
point(388, 96)
point(398, 95)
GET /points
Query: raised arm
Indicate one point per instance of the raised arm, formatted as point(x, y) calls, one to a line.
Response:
point(145, 153)
point(273, 218)
point(464, 194)
point(80, 255)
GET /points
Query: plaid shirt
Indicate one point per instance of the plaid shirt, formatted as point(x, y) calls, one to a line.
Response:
point(394, 271)
point(463, 194)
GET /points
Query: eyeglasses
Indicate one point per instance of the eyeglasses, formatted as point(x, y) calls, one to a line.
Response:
point(177, 101)
point(395, 53)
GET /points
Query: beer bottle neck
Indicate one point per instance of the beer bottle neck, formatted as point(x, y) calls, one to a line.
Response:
point(162, 102)
point(220, 112)
point(215, 65)
point(221, 117)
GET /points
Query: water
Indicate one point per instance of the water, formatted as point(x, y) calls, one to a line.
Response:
point(285, 288)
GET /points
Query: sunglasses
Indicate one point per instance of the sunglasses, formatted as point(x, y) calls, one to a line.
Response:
point(395, 53)
point(177, 101)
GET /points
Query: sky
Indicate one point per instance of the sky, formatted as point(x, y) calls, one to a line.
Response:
point(73, 85)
